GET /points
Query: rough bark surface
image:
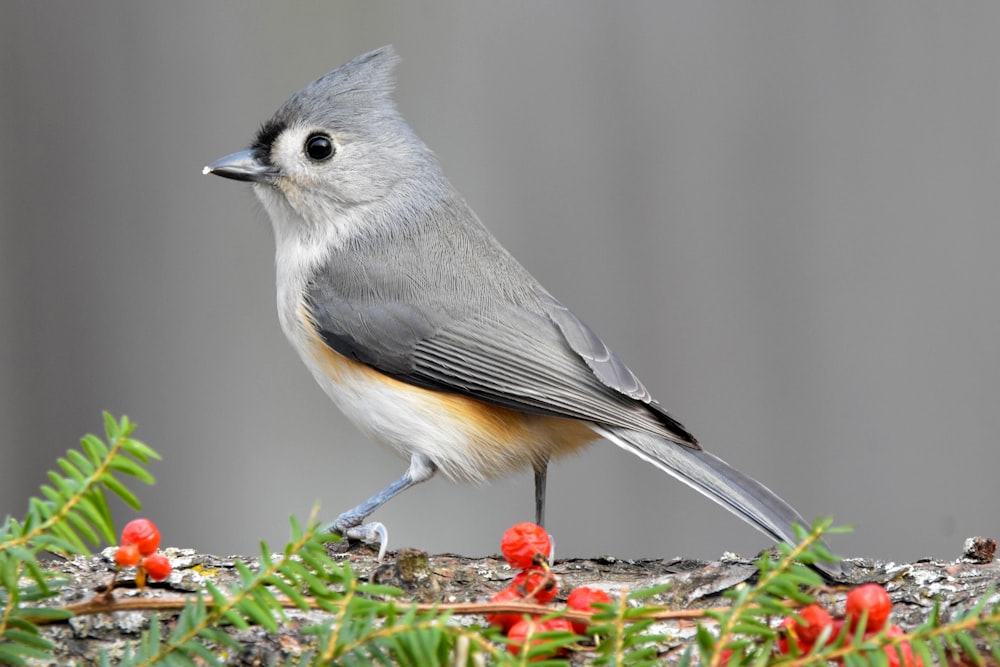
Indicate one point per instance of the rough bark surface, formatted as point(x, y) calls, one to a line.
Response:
point(447, 578)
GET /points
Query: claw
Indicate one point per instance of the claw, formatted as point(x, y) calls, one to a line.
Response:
point(349, 527)
point(370, 533)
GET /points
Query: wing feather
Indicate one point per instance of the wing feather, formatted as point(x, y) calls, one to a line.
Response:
point(482, 328)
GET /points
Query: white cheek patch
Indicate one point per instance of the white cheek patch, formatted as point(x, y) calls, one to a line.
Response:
point(314, 217)
point(288, 153)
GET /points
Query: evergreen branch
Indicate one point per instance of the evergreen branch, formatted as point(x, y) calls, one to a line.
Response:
point(241, 605)
point(103, 604)
point(774, 594)
point(74, 511)
point(81, 493)
point(329, 643)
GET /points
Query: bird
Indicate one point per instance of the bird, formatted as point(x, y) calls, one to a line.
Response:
point(425, 331)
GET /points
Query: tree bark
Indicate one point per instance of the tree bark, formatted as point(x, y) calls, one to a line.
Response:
point(449, 579)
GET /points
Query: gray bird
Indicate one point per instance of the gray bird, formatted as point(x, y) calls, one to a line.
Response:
point(425, 331)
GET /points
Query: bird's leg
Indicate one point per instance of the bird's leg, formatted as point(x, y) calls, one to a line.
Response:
point(541, 471)
point(349, 524)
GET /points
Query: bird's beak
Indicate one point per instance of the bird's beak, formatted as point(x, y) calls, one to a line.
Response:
point(242, 166)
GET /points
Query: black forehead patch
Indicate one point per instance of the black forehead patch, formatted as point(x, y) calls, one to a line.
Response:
point(264, 141)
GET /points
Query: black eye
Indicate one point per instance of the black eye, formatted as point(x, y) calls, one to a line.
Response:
point(319, 147)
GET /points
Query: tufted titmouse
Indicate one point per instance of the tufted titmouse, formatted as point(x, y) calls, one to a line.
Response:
point(424, 330)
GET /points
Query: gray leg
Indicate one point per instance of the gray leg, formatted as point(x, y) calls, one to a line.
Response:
point(541, 471)
point(349, 524)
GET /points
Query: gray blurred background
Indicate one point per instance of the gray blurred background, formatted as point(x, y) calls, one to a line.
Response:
point(782, 215)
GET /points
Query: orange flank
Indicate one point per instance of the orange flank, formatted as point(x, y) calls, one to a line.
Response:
point(508, 439)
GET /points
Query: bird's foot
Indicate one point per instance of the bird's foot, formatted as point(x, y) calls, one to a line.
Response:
point(350, 528)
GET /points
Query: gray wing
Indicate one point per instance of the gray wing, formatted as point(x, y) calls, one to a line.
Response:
point(516, 359)
point(601, 359)
point(464, 330)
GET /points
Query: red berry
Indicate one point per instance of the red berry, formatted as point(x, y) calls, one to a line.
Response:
point(554, 624)
point(519, 634)
point(127, 555)
point(789, 637)
point(143, 534)
point(583, 599)
point(539, 585)
point(892, 654)
point(157, 566)
point(804, 634)
point(837, 626)
point(815, 620)
point(523, 542)
point(502, 620)
point(875, 599)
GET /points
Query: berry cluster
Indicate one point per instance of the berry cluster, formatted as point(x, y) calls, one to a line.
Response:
point(140, 540)
point(868, 604)
point(528, 548)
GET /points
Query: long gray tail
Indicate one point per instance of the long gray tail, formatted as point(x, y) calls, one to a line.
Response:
point(708, 474)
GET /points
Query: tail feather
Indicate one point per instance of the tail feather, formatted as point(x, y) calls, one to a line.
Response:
point(708, 474)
